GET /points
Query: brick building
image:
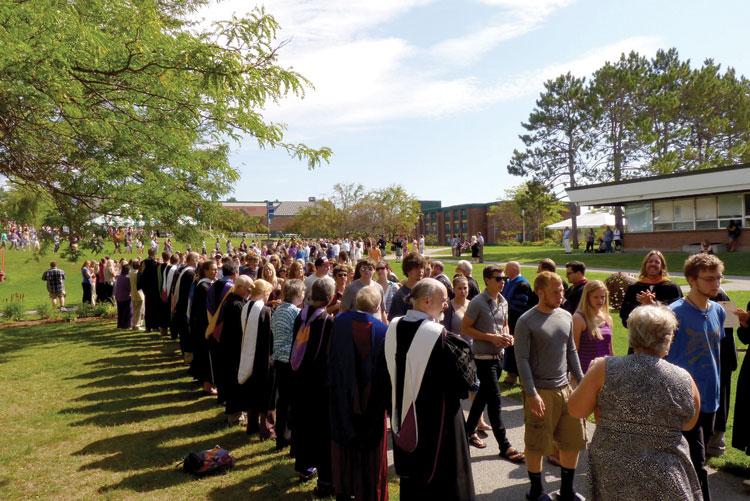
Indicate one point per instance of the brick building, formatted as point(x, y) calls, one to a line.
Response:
point(283, 212)
point(676, 211)
point(439, 224)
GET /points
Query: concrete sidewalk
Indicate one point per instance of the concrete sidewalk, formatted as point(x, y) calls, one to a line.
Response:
point(497, 479)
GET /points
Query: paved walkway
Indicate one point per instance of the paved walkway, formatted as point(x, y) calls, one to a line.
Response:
point(497, 479)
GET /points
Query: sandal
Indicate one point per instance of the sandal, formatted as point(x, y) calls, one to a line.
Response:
point(513, 455)
point(475, 441)
point(481, 433)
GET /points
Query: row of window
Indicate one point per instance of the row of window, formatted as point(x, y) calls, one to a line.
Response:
point(457, 214)
point(695, 213)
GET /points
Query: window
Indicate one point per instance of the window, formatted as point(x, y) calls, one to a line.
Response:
point(638, 217)
point(747, 204)
point(730, 206)
point(705, 208)
point(663, 212)
point(706, 225)
point(684, 211)
point(464, 227)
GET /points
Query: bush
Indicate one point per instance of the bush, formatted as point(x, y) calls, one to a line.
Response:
point(105, 309)
point(85, 310)
point(46, 311)
point(14, 310)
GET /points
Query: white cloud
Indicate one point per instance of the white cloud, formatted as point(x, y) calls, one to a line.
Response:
point(362, 80)
point(517, 18)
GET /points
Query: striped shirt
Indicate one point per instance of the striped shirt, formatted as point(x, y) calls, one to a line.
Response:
point(55, 278)
point(282, 327)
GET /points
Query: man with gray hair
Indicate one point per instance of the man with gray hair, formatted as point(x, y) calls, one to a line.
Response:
point(465, 268)
point(428, 379)
point(438, 273)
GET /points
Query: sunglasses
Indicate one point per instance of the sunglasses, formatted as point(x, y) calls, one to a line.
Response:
point(499, 278)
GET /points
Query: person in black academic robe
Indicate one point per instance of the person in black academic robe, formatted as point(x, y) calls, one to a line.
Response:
point(149, 284)
point(230, 346)
point(259, 388)
point(741, 428)
point(179, 317)
point(727, 365)
point(311, 438)
point(200, 366)
point(438, 466)
point(163, 314)
point(216, 292)
point(359, 396)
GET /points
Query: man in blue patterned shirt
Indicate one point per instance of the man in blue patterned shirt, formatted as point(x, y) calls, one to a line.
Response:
point(282, 328)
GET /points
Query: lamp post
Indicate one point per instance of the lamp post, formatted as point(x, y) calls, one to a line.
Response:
point(523, 226)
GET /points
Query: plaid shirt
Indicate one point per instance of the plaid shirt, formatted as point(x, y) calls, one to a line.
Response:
point(55, 278)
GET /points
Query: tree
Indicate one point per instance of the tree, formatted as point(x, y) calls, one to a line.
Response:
point(618, 96)
point(539, 205)
point(558, 136)
point(234, 221)
point(394, 211)
point(126, 108)
point(24, 206)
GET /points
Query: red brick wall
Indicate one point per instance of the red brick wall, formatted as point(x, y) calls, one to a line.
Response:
point(674, 240)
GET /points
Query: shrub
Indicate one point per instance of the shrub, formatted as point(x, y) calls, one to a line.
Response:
point(105, 309)
point(14, 310)
point(46, 311)
point(85, 310)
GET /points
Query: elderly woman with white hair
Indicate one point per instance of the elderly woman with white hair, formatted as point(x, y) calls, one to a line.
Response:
point(463, 267)
point(642, 404)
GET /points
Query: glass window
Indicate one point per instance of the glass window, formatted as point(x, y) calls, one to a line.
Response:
point(684, 210)
point(747, 204)
point(464, 227)
point(706, 225)
point(688, 225)
point(663, 212)
point(730, 206)
point(705, 208)
point(662, 226)
point(638, 217)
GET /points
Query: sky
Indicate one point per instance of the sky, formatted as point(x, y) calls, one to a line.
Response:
point(431, 94)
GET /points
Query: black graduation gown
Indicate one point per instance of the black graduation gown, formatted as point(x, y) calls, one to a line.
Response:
point(666, 293)
point(440, 466)
point(309, 401)
point(230, 347)
point(200, 367)
point(259, 388)
point(727, 365)
point(164, 310)
point(149, 284)
point(741, 429)
point(179, 319)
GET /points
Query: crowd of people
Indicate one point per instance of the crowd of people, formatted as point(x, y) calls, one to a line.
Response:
point(323, 350)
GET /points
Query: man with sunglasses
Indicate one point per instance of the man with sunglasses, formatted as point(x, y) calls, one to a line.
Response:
point(486, 322)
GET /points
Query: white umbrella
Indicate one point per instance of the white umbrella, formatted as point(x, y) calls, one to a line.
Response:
point(588, 220)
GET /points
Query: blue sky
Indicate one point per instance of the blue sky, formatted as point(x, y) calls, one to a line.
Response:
point(430, 94)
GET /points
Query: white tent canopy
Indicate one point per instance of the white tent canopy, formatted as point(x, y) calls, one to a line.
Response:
point(588, 220)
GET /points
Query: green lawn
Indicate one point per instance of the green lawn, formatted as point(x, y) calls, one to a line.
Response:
point(737, 263)
point(93, 413)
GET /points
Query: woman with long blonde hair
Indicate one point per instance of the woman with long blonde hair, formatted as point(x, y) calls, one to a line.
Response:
point(592, 324)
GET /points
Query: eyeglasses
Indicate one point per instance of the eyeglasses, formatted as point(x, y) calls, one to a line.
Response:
point(366, 268)
point(499, 278)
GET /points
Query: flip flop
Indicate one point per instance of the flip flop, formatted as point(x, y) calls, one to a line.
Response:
point(513, 455)
point(475, 441)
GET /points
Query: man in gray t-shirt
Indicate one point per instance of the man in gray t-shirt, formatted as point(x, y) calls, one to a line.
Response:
point(545, 353)
point(366, 269)
point(486, 321)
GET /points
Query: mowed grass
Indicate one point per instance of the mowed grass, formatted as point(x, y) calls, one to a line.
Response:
point(737, 263)
point(90, 412)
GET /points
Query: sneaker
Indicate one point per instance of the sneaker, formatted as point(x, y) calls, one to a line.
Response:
point(307, 474)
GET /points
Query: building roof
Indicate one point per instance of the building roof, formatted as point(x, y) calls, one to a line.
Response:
point(289, 208)
point(727, 179)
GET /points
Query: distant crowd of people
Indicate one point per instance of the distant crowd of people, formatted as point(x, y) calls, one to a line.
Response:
point(321, 353)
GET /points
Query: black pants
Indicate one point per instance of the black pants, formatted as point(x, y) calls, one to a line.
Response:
point(697, 438)
point(589, 247)
point(123, 314)
point(488, 372)
point(283, 381)
point(86, 293)
point(509, 361)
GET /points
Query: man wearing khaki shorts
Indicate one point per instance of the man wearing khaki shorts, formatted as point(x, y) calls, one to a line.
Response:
point(545, 353)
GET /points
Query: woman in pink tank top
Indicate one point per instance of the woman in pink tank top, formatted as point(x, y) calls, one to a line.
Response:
point(592, 324)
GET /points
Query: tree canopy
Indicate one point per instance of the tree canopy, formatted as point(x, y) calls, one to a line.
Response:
point(127, 108)
point(351, 210)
